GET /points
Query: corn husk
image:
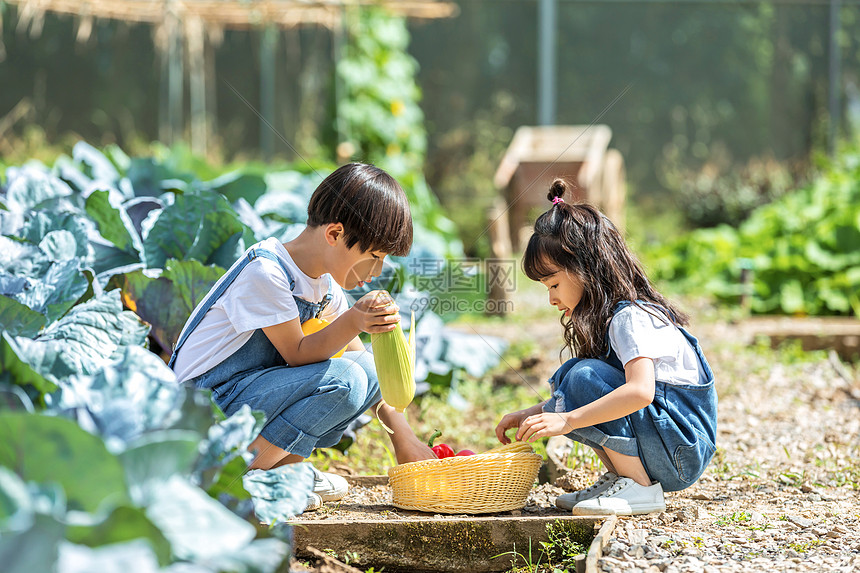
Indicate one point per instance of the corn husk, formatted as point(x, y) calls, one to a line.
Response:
point(394, 357)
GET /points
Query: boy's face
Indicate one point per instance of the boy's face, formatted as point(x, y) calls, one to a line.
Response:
point(359, 267)
point(350, 267)
point(565, 290)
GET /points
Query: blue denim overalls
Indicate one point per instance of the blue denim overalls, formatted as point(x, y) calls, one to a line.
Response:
point(674, 436)
point(306, 406)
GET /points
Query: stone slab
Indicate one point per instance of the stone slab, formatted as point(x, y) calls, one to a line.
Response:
point(841, 334)
point(442, 544)
point(367, 481)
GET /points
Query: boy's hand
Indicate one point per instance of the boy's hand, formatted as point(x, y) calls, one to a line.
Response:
point(375, 312)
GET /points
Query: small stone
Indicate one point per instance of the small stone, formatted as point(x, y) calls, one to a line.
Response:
point(702, 513)
point(637, 551)
point(801, 522)
point(756, 517)
point(666, 518)
point(637, 536)
point(833, 533)
point(685, 515)
point(516, 513)
point(814, 497)
point(690, 552)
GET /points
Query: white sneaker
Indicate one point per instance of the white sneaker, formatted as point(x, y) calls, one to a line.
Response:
point(568, 500)
point(624, 497)
point(330, 487)
point(314, 502)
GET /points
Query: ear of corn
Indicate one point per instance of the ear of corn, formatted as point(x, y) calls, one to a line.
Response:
point(394, 357)
point(312, 325)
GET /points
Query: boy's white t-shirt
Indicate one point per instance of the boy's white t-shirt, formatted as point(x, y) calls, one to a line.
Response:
point(259, 297)
point(634, 333)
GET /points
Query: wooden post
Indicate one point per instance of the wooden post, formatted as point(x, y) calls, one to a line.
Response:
point(268, 49)
point(214, 37)
point(175, 80)
point(613, 188)
point(502, 263)
point(197, 85)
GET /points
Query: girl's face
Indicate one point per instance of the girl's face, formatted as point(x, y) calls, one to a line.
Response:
point(565, 290)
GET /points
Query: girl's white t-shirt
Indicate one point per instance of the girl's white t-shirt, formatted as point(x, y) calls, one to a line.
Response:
point(634, 333)
point(259, 297)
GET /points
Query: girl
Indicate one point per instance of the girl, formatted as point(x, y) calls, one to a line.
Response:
point(245, 343)
point(639, 392)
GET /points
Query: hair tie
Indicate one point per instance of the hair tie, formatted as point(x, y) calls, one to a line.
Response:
point(557, 200)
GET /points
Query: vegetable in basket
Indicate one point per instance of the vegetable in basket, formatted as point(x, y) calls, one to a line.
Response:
point(444, 450)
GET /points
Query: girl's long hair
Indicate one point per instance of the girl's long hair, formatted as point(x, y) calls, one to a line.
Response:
point(579, 239)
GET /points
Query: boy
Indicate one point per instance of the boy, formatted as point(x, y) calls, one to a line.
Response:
point(244, 340)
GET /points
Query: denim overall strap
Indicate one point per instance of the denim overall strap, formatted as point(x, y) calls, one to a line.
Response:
point(326, 299)
point(216, 293)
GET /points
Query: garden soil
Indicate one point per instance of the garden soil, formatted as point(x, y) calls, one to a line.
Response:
point(780, 495)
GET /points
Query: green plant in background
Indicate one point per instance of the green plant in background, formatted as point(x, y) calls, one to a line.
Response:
point(379, 119)
point(377, 109)
point(720, 192)
point(804, 250)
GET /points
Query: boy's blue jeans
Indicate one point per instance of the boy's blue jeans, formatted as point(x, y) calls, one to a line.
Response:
point(671, 436)
point(307, 406)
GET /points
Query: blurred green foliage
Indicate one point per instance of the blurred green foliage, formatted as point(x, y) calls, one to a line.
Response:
point(720, 192)
point(803, 249)
point(379, 119)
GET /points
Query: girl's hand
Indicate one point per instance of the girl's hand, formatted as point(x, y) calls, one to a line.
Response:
point(543, 425)
point(375, 312)
point(514, 420)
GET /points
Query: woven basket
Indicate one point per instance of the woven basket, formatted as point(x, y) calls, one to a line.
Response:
point(497, 480)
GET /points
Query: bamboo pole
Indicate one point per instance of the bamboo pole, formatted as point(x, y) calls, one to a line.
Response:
point(195, 33)
point(268, 49)
point(175, 79)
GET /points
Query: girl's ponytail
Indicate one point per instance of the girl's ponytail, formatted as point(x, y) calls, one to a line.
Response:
point(557, 191)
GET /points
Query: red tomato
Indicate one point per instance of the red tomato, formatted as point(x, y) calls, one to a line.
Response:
point(443, 451)
point(465, 453)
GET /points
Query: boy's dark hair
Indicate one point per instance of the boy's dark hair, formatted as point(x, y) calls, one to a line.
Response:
point(581, 240)
point(369, 203)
